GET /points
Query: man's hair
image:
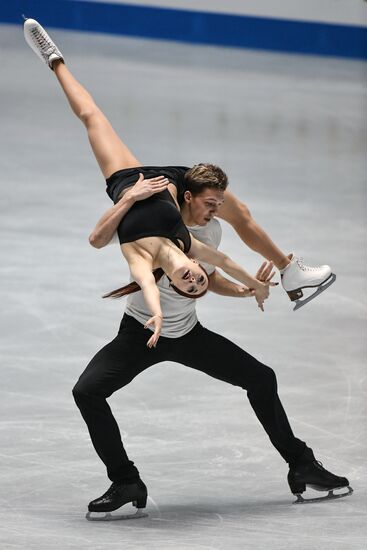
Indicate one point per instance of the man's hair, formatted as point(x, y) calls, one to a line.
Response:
point(202, 176)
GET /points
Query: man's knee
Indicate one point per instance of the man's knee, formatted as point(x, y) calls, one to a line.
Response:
point(83, 391)
point(78, 392)
point(270, 377)
point(264, 381)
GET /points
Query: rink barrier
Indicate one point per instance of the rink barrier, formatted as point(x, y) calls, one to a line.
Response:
point(195, 27)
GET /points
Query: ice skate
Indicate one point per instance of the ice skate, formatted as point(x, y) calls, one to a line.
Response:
point(107, 507)
point(40, 42)
point(312, 474)
point(298, 276)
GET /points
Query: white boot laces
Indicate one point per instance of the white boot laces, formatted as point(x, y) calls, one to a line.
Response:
point(304, 267)
point(42, 42)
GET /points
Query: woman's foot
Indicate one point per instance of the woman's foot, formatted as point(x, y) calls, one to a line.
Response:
point(41, 43)
point(297, 276)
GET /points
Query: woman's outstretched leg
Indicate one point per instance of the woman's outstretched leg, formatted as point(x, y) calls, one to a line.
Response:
point(111, 153)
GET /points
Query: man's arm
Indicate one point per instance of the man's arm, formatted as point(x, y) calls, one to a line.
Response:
point(239, 217)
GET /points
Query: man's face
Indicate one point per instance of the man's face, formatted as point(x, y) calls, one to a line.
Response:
point(200, 209)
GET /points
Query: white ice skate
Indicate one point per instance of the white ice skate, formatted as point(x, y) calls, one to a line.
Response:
point(40, 42)
point(297, 276)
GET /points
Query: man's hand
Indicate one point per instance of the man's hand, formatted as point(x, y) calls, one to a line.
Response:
point(144, 189)
point(265, 273)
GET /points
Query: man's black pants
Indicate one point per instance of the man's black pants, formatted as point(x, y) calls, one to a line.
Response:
point(115, 365)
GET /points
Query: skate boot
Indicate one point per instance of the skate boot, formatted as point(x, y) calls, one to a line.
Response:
point(297, 276)
point(116, 496)
point(312, 474)
point(40, 42)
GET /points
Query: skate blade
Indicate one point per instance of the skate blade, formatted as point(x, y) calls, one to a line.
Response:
point(114, 516)
point(320, 289)
point(330, 496)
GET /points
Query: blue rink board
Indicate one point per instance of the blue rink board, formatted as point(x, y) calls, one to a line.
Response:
point(194, 26)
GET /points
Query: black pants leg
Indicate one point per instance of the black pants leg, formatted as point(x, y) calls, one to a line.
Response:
point(115, 365)
point(112, 368)
point(213, 354)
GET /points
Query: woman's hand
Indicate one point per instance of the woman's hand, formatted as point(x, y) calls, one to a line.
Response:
point(156, 320)
point(144, 189)
point(261, 294)
point(264, 274)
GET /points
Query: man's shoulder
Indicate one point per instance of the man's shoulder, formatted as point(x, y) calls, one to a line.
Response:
point(210, 234)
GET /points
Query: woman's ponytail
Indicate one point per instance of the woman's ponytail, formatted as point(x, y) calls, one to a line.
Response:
point(133, 286)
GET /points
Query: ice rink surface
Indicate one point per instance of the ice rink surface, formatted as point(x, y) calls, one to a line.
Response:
point(291, 133)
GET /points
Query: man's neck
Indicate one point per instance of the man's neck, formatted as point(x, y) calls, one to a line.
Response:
point(185, 213)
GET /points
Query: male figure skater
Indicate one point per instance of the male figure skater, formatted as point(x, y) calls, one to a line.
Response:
point(184, 340)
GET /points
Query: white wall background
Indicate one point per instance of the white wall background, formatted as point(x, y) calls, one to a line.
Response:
point(349, 12)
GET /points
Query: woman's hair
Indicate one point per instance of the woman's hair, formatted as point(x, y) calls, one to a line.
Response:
point(202, 176)
point(158, 274)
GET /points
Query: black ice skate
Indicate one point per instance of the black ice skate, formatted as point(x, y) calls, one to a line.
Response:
point(313, 474)
point(116, 496)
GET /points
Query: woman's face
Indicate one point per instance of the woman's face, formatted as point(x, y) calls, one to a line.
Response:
point(190, 278)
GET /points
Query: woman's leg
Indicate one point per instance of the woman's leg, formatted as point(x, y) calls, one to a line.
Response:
point(111, 153)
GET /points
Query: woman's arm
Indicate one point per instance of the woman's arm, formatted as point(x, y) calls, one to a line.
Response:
point(108, 223)
point(224, 287)
point(141, 271)
point(212, 256)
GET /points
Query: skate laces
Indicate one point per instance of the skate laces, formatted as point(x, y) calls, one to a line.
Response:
point(42, 41)
point(304, 267)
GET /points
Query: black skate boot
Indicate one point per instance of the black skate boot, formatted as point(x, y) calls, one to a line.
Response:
point(115, 497)
point(311, 473)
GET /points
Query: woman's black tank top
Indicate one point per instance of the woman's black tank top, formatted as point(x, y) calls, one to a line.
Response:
point(156, 216)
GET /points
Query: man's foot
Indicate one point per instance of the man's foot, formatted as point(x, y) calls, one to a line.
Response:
point(40, 42)
point(311, 473)
point(297, 276)
point(115, 497)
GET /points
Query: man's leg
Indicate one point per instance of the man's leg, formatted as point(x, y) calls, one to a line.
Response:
point(112, 368)
point(208, 352)
point(213, 354)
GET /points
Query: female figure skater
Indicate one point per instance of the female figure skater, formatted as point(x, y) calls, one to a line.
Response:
point(151, 231)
